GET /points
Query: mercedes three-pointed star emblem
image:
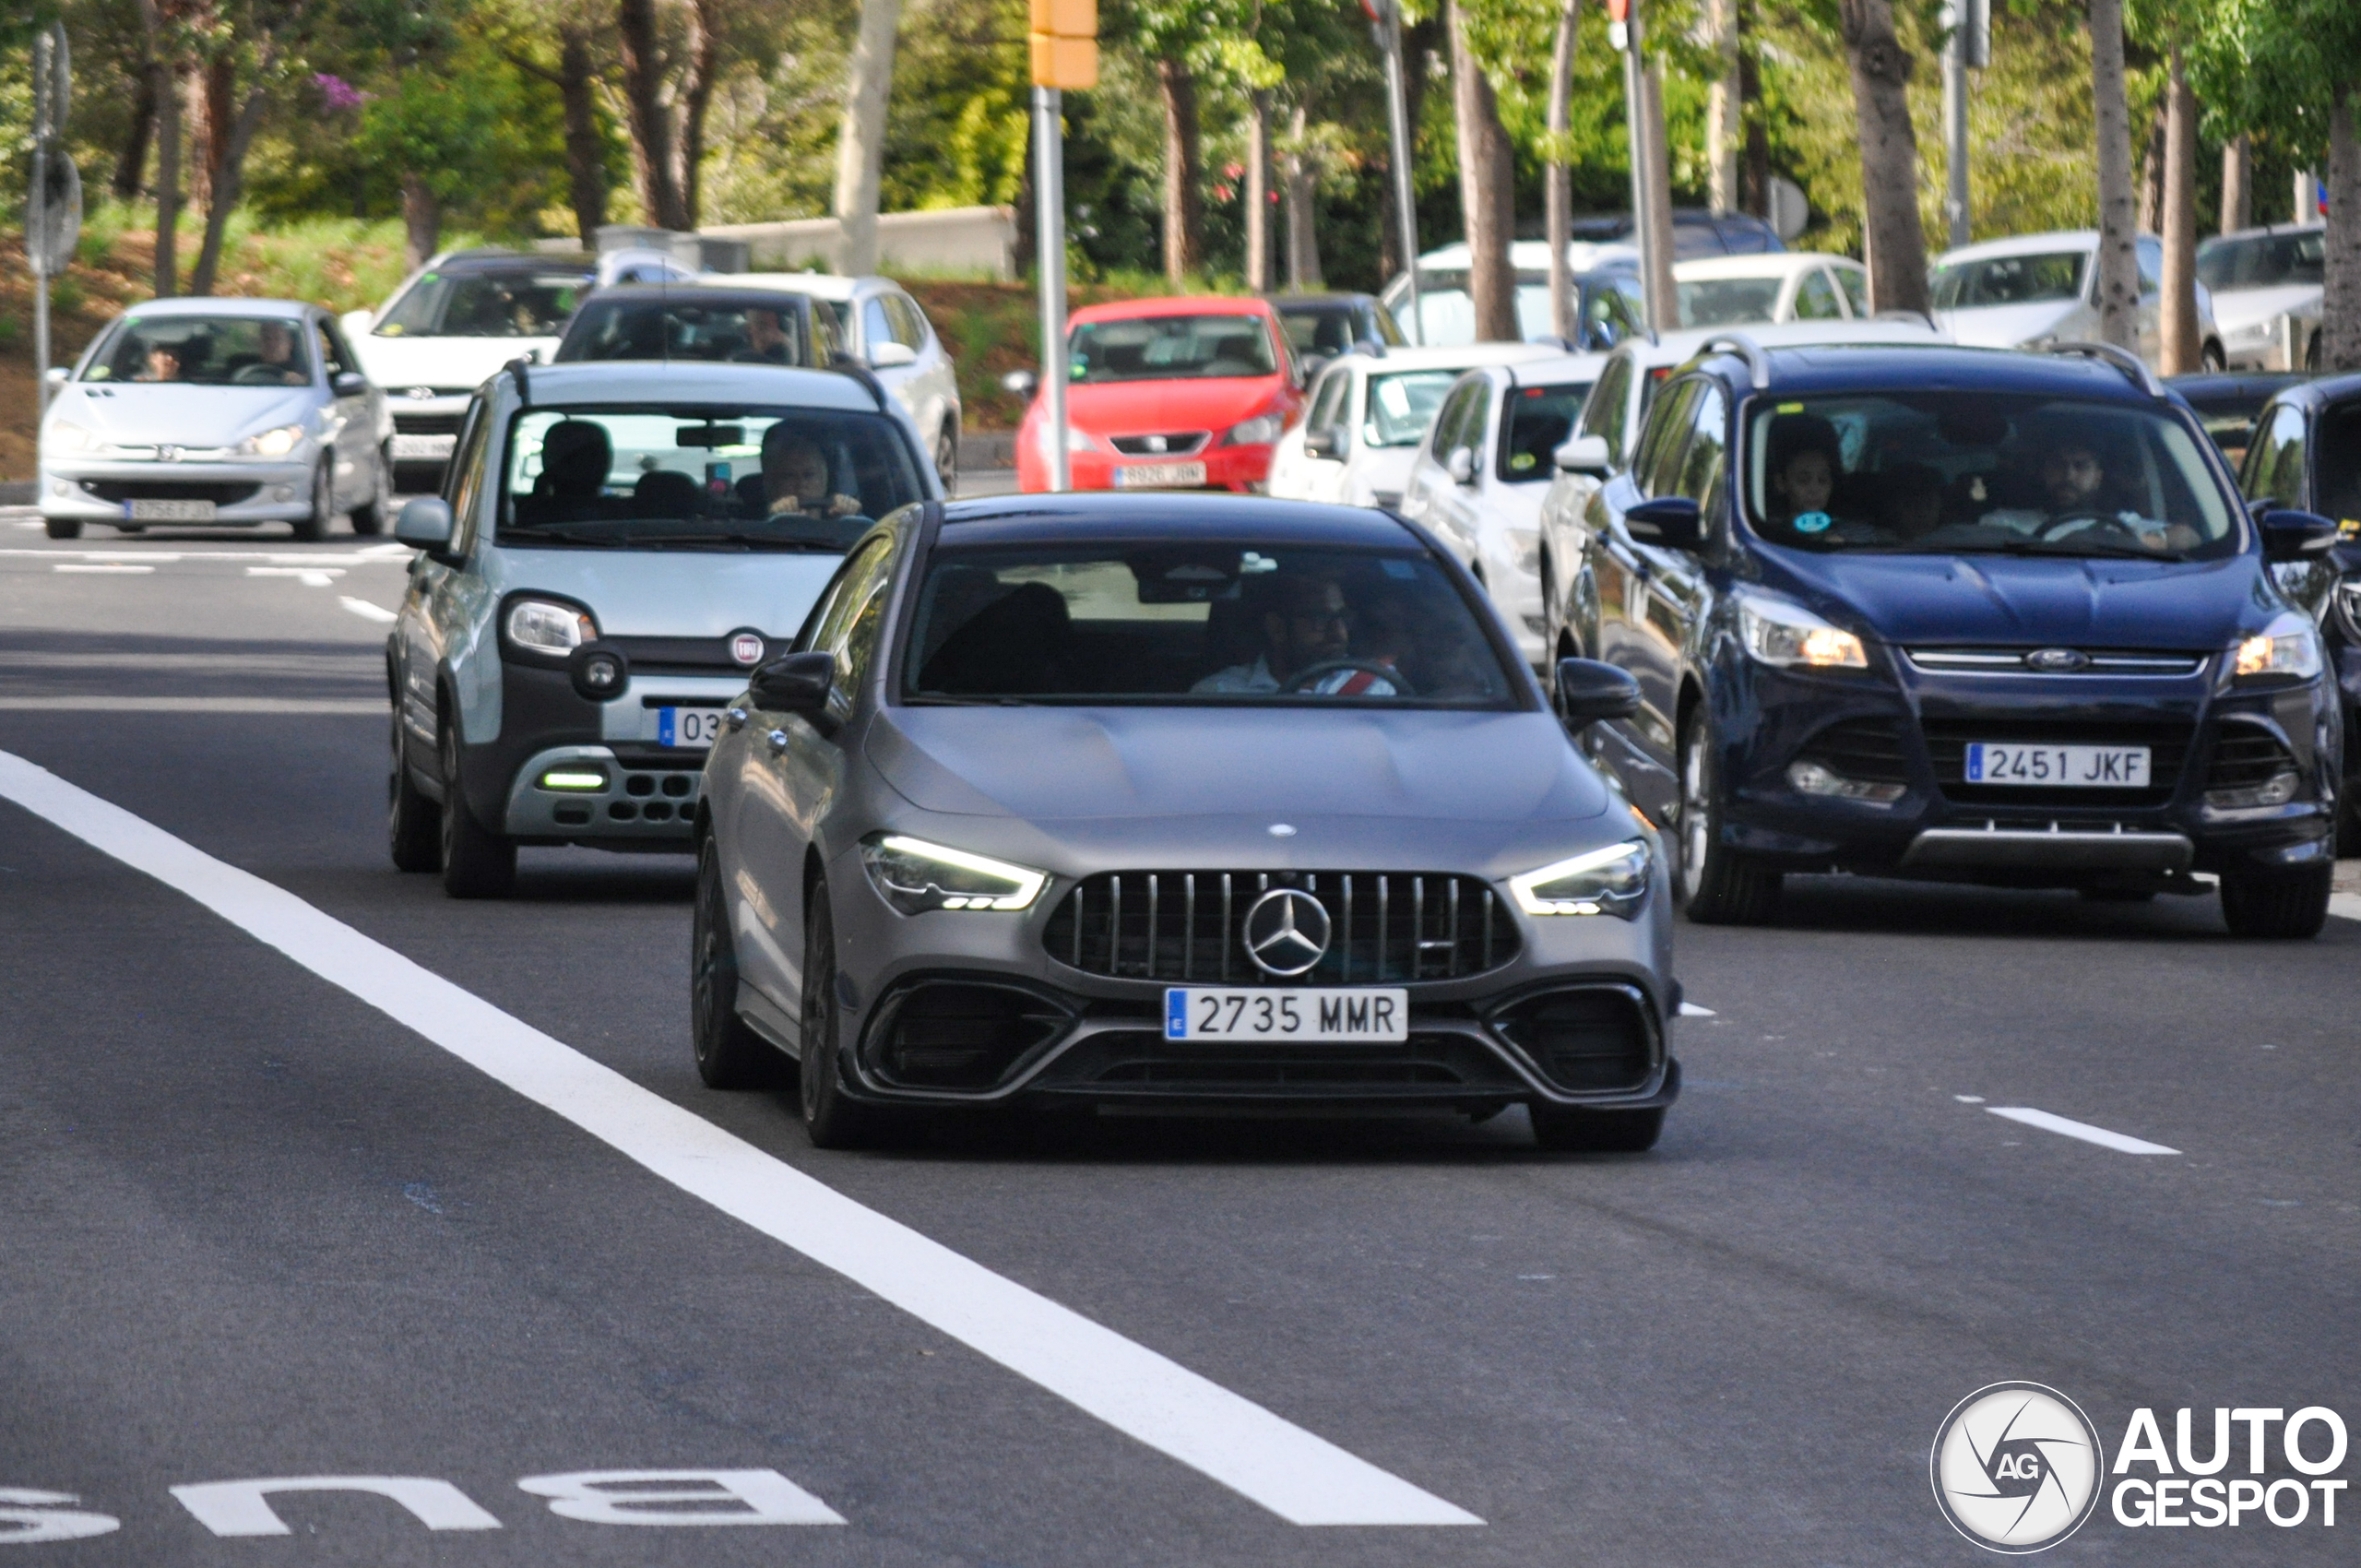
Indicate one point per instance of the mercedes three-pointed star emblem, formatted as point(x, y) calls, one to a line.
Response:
point(1286, 932)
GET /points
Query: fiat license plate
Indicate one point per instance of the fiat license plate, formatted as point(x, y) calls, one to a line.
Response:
point(1159, 475)
point(2057, 768)
point(1270, 1013)
point(688, 726)
point(168, 511)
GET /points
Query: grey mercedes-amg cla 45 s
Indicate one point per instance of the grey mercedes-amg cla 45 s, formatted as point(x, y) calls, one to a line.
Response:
point(1176, 803)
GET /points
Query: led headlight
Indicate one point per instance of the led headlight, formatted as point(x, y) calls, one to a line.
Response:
point(1609, 881)
point(1779, 632)
point(2287, 649)
point(271, 443)
point(64, 435)
point(1260, 430)
point(915, 876)
point(543, 625)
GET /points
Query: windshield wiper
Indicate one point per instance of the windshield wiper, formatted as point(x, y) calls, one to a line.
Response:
point(2091, 548)
point(939, 700)
point(512, 532)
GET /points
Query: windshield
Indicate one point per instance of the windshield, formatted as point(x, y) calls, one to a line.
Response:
point(1198, 622)
point(742, 332)
point(485, 305)
point(205, 351)
point(1539, 420)
point(1726, 302)
point(2263, 261)
point(2010, 280)
point(1402, 405)
point(1960, 472)
point(701, 477)
point(1171, 348)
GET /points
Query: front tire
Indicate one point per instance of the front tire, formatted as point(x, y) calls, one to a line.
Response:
point(413, 823)
point(728, 1054)
point(369, 518)
point(313, 527)
point(63, 527)
point(1718, 885)
point(2210, 359)
point(946, 458)
point(1561, 1130)
point(2277, 905)
point(831, 1120)
point(476, 863)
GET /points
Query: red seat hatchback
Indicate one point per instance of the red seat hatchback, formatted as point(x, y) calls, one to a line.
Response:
point(1172, 393)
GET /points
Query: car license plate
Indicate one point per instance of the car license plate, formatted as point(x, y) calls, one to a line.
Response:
point(688, 726)
point(1159, 475)
point(168, 511)
point(435, 448)
point(2057, 768)
point(1273, 1013)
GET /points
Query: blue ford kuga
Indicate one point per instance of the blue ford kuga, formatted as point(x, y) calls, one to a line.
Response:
point(1966, 615)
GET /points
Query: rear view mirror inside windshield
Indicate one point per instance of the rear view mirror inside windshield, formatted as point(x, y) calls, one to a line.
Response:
point(711, 435)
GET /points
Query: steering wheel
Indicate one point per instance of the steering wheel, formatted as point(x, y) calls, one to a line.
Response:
point(2055, 526)
point(1310, 673)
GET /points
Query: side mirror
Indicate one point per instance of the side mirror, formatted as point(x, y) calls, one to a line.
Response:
point(1588, 691)
point(1584, 455)
point(1669, 522)
point(425, 524)
point(1021, 382)
point(358, 322)
point(348, 384)
point(796, 683)
point(1328, 443)
point(1460, 466)
point(54, 377)
point(2290, 535)
point(891, 356)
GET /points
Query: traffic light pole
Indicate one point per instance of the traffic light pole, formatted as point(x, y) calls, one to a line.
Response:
point(1385, 22)
point(1049, 249)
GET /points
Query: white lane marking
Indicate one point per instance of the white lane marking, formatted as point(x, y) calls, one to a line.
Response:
point(113, 704)
point(2120, 1143)
point(105, 566)
point(1969, 1098)
point(1302, 1478)
point(2345, 906)
point(375, 556)
point(310, 576)
point(367, 611)
point(1690, 1010)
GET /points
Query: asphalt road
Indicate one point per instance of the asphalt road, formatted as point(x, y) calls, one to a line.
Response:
point(257, 1227)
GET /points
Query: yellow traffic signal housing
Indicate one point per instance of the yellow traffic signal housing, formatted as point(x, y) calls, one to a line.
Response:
point(1063, 61)
point(1066, 18)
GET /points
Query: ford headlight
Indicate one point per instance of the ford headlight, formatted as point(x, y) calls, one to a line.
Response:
point(545, 627)
point(915, 876)
point(1777, 632)
point(272, 443)
point(1611, 881)
point(1260, 430)
point(64, 435)
point(2287, 649)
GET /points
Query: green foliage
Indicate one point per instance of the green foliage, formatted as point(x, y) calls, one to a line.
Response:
point(2273, 67)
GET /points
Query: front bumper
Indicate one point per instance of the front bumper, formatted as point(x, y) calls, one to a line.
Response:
point(100, 490)
point(1243, 469)
point(426, 429)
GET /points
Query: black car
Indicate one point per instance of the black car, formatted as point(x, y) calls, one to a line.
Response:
point(2228, 402)
point(1161, 802)
point(1321, 327)
point(2307, 455)
point(694, 319)
point(1960, 614)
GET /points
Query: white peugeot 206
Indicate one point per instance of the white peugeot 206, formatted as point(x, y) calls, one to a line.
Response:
point(614, 548)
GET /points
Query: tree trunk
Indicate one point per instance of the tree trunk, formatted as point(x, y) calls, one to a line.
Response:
point(1184, 202)
point(1254, 192)
point(1658, 169)
point(1486, 198)
point(1557, 190)
point(2119, 263)
point(227, 176)
point(647, 116)
point(1722, 108)
point(2340, 299)
point(1755, 166)
point(168, 178)
point(586, 161)
point(199, 117)
point(860, 146)
point(695, 95)
point(2237, 185)
point(421, 221)
point(1896, 244)
point(2152, 176)
point(1304, 274)
point(132, 161)
point(2181, 351)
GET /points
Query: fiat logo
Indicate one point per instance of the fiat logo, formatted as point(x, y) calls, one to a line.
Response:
point(746, 647)
point(2053, 661)
point(1286, 932)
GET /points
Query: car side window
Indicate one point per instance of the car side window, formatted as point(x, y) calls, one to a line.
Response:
point(1816, 298)
point(2275, 465)
point(1656, 466)
point(1475, 420)
point(908, 321)
point(1448, 420)
point(1328, 401)
point(875, 328)
point(827, 336)
point(465, 479)
point(2151, 265)
point(1603, 414)
point(854, 622)
point(1855, 284)
point(332, 356)
point(1701, 459)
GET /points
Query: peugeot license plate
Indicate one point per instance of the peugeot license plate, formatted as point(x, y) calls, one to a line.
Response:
point(1270, 1013)
point(425, 448)
point(168, 511)
point(1159, 475)
point(2057, 768)
point(688, 726)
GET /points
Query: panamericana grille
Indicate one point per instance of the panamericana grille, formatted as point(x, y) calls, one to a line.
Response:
point(220, 493)
point(1179, 443)
point(1947, 740)
point(1176, 925)
point(2245, 757)
point(1866, 749)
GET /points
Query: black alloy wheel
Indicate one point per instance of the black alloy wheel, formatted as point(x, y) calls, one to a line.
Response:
point(313, 527)
point(1718, 884)
point(728, 1054)
point(2277, 905)
point(1561, 1130)
point(413, 823)
point(476, 863)
point(832, 1120)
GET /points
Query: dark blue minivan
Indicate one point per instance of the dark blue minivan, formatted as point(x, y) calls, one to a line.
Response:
point(1959, 614)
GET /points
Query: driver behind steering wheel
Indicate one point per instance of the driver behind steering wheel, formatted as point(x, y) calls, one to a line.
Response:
point(2080, 493)
point(1307, 623)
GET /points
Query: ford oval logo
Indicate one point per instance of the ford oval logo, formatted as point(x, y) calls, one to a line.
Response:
point(2056, 660)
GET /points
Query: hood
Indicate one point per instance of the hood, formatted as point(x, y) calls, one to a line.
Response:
point(2234, 308)
point(677, 593)
point(1149, 765)
point(2013, 600)
point(1379, 467)
point(2005, 327)
point(399, 364)
point(1126, 408)
point(137, 414)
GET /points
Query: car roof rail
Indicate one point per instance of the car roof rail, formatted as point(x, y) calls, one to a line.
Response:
point(2124, 359)
point(1758, 364)
point(845, 364)
point(515, 368)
